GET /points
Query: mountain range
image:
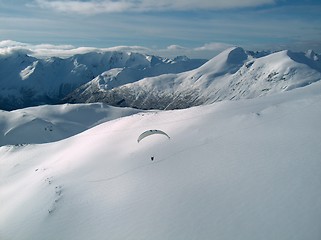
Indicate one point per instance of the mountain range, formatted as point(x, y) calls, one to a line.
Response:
point(29, 81)
point(233, 74)
point(247, 167)
point(151, 82)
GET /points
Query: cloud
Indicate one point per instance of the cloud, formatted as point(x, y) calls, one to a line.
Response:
point(127, 49)
point(175, 48)
point(89, 7)
point(206, 51)
point(48, 50)
point(110, 6)
point(10, 43)
point(41, 50)
point(10, 47)
point(213, 47)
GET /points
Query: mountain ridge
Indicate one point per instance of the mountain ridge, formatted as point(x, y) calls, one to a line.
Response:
point(142, 81)
point(233, 74)
point(29, 81)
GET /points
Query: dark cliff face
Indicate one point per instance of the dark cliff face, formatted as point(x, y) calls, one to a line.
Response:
point(144, 99)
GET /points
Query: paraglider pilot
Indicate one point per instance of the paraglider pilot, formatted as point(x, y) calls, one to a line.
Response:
point(151, 132)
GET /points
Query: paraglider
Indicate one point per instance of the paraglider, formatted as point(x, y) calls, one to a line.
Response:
point(151, 132)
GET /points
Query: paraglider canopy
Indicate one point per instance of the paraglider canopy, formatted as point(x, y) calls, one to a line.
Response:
point(151, 132)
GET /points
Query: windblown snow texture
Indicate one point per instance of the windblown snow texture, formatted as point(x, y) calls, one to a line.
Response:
point(247, 169)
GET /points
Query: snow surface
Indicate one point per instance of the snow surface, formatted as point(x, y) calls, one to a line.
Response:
point(52, 123)
point(247, 169)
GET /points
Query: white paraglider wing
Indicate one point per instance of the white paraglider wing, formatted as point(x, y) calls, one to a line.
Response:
point(151, 132)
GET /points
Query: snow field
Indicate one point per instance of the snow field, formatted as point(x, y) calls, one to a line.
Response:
point(247, 169)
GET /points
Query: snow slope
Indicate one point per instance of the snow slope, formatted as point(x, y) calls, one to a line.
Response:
point(247, 169)
point(28, 81)
point(233, 74)
point(46, 123)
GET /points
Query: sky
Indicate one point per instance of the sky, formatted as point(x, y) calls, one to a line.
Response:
point(197, 29)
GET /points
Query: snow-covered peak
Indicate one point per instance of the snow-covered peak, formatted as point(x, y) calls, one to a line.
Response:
point(233, 74)
point(236, 55)
point(312, 55)
point(28, 81)
point(258, 54)
point(227, 61)
point(181, 58)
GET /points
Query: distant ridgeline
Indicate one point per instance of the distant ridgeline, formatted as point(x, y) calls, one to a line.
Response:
point(233, 74)
point(151, 82)
point(29, 81)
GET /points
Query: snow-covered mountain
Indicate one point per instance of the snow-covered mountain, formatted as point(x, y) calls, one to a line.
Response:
point(246, 169)
point(28, 81)
point(233, 74)
point(150, 82)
